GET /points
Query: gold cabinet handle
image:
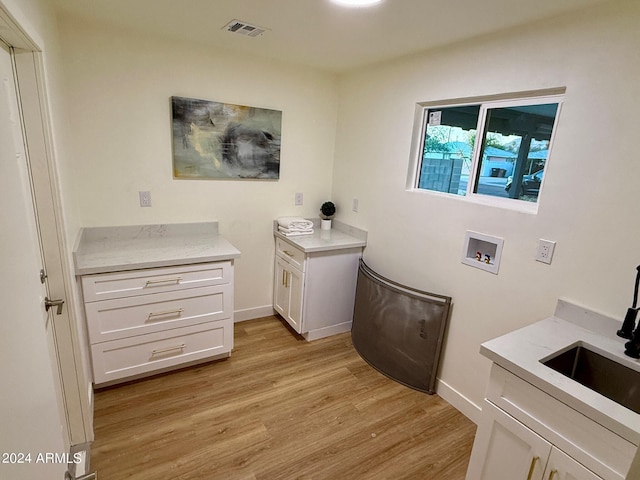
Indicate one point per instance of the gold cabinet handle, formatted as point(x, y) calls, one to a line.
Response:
point(534, 460)
point(284, 278)
point(158, 283)
point(177, 311)
point(553, 474)
point(168, 349)
point(286, 252)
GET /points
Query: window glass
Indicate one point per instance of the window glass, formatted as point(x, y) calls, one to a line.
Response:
point(507, 161)
point(514, 151)
point(448, 143)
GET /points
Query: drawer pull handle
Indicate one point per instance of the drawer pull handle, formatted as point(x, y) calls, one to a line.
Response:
point(286, 252)
point(534, 460)
point(177, 311)
point(157, 283)
point(168, 349)
point(553, 474)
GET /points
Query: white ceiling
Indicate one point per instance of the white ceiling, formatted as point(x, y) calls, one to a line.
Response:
point(319, 33)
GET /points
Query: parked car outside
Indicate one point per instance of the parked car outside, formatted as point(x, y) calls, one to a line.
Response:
point(530, 183)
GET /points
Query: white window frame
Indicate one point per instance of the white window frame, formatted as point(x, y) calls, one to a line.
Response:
point(537, 97)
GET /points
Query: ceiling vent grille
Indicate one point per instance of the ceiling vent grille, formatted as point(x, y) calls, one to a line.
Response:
point(243, 28)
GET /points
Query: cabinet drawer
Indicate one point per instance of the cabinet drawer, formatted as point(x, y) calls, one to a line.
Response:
point(105, 286)
point(291, 254)
point(127, 357)
point(591, 444)
point(126, 317)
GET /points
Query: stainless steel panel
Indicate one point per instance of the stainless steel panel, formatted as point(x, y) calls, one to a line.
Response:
point(399, 330)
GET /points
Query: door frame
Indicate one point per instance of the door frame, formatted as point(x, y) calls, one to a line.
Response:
point(74, 387)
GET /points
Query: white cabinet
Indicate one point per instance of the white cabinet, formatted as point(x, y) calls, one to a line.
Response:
point(524, 433)
point(150, 320)
point(505, 448)
point(287, 296)
point(315, 292)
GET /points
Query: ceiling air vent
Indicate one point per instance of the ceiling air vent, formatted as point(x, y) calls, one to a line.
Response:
point(244, 28)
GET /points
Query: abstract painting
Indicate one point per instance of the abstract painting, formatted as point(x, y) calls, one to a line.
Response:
point(224, 141)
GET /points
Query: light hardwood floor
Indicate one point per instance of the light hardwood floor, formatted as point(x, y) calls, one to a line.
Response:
point(278, 408)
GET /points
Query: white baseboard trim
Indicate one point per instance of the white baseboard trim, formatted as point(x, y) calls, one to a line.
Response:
point(468, 408)
point(327, 331)
point(251, 313)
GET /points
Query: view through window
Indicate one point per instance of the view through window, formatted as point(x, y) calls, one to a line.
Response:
point(507, 160)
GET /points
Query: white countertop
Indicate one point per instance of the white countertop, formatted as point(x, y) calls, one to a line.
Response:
point(109, 249)
point(341, 236)
point(520, 352)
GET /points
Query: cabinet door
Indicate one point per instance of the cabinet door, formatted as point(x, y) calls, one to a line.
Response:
point(295, 284)
point(280, 290)
point(562, 467)
point(505, 449)
point(288, 285)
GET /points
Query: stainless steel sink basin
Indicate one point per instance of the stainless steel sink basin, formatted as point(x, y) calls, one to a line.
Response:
point(601, 374)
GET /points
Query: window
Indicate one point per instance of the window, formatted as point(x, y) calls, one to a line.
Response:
point(495, 147)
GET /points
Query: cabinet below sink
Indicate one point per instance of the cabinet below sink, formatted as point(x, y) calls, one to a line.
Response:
point(538, 422)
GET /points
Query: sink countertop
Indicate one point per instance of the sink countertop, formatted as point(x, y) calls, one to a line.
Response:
point(341, 236)
point(109, 249)
point(520, 352)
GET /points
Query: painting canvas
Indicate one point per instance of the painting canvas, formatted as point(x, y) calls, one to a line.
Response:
point(224, 141)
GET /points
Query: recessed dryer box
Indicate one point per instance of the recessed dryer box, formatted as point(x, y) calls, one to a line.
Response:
point(482, 251)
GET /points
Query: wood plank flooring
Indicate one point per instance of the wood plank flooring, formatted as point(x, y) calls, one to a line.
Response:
point(278, 408)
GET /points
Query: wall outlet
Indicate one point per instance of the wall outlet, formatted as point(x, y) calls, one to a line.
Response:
point(354, 205)
point(145, 199)
point(298, 199)
point(545, 251)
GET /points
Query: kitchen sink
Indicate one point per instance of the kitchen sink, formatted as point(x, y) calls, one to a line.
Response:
point(614, 380)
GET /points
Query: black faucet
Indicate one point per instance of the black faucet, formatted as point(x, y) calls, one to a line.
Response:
point(632, 347)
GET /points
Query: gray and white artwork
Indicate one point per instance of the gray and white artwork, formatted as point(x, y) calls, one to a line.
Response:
point(224, 141)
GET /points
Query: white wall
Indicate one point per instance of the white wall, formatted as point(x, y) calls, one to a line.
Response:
point(589, 204)
point(119, 85)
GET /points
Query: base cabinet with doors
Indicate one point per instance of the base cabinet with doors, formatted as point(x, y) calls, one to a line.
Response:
point(510, 450)
point(526, 434)
point(314, 291)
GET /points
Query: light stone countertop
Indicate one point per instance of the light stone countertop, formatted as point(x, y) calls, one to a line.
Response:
point(341, 236)
point(109, 249)
point(521, 351)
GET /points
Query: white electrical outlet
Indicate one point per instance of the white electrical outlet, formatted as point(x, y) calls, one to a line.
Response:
point(354, 205)
point(298, 199)
point(145, 199)
point(545, 251)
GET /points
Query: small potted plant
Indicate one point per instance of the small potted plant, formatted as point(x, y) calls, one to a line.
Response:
point(327, 211)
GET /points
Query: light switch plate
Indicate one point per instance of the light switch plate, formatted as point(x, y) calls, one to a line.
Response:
point(145, 199)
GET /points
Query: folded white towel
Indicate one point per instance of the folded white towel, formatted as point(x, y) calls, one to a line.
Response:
point(293, 234)
point(295, 231)
point(295, 223)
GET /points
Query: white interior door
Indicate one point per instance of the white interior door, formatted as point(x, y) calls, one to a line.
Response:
point(30, 405)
